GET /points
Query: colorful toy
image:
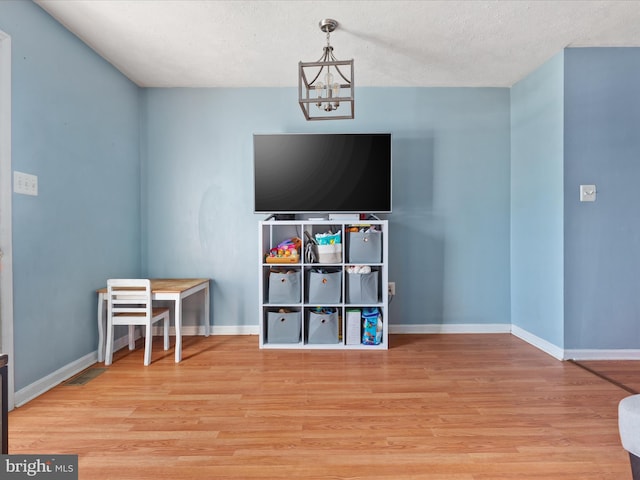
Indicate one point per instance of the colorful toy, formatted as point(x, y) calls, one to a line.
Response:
point(371, 326)
point(285, 252)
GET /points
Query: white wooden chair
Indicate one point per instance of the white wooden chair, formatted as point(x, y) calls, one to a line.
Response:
point(129, 303)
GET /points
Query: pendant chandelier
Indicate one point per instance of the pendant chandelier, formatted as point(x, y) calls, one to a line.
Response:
point(325, 87)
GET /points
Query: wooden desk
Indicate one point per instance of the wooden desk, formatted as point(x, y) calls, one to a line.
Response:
point(173, 289)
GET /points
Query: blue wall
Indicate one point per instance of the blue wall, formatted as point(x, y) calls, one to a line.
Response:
point(537, 212)
point(575, 265)
point(449, 249)
point(74, 125)
point(602, 239)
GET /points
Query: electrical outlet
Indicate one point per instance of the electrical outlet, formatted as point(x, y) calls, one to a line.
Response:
point(392, 288)
point(25, 183)
point(587, 193)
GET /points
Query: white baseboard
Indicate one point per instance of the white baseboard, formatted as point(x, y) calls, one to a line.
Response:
point(233, 330)
point(196, 330)
point(539, 343)
point(584, 354)
point(396, 329)
point(575, 354)
point(39, 387)
point(451, 328)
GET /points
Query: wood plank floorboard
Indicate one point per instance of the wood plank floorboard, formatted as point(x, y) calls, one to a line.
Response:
point(624, 372)
point(440, 407)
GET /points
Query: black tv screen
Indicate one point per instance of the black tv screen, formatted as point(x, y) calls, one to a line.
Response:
point(333, 173)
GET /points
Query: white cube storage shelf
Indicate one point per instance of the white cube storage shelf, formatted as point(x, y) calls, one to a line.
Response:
point(314, 304)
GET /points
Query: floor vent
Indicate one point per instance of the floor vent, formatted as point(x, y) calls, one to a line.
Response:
point(85, 377)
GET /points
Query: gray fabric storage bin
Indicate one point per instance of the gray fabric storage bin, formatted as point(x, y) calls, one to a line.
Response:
point(362, 287)
point(324, 287)
point(322, 328)
point(284, 327)
point(284, 288)
point(365, 247)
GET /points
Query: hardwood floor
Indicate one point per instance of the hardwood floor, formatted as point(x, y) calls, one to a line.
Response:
point(625, 373)
point(467, 407)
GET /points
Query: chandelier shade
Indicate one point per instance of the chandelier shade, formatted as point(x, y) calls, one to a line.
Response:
point(325, 87)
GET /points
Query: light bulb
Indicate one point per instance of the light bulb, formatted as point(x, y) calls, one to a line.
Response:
point(319, 88)
point(329, 79)
point(336, 89)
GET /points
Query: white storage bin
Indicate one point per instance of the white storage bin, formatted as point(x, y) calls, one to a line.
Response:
point(329, 253)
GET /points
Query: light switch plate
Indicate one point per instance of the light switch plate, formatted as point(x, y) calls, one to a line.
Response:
point(587, 193)
point(25, 183)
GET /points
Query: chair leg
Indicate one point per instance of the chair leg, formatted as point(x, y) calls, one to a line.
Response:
point(148, 339)
point(132, 337)
point(108, 354)
point(166, 332)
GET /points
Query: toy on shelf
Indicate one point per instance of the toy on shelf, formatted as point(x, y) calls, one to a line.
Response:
point(287, 251)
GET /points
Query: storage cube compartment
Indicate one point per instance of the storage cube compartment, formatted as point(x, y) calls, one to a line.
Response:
point(363, 288)
point(322, 327)
point(284, 287)
point(283, 327)
point(364, 247)
point(328, 253)
point(274, 235)
point(327, 242)
point(324, 286)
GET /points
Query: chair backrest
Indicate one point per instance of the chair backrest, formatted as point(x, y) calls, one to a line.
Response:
point(129, 297)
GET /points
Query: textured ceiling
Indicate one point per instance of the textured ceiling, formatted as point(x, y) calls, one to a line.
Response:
point(210, 43)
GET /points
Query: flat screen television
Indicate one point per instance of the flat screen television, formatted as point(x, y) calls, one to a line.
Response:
point(322, 173)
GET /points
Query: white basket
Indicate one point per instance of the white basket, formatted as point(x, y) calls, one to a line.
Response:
point(329, 253)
